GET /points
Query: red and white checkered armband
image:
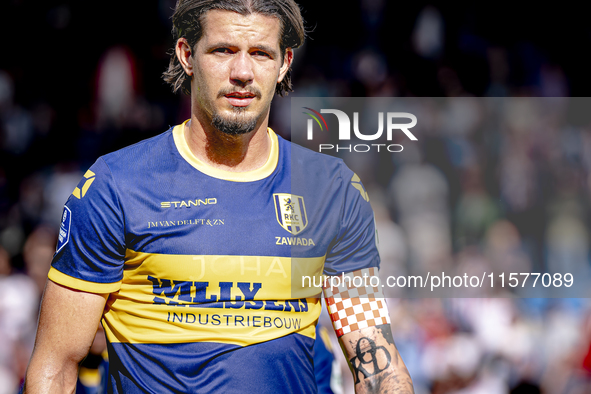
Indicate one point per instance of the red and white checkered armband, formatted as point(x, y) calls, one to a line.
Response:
point(355, 301)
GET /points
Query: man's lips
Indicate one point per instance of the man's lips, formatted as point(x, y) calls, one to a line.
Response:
point(240, 99)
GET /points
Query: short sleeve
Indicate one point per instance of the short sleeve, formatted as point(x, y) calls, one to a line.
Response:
point(355, 246)
point(91, 242)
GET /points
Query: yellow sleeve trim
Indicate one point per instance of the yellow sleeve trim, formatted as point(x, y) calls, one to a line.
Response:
point(79, 284)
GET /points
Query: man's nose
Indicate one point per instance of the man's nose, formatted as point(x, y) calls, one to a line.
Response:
point(242, 69)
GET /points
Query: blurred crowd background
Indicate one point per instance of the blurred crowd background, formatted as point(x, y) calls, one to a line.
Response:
point(80, 79)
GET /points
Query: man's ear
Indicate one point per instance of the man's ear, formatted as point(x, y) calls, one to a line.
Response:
point(183, 53)
point(287, 60)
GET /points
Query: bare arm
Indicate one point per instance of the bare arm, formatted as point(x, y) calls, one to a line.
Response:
point(375, 362)
point(361, 321)
point(67, 325)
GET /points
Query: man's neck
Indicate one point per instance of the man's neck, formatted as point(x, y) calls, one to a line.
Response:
point(235, 153)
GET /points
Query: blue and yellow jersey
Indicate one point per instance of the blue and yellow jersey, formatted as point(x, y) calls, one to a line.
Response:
point(201, 263)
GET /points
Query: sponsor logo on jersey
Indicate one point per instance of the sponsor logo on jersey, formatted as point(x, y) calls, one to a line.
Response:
point(82, 188)
point(235, 320)
point(294, 241)
point(290, 212)
point(189, 203)
point(172, 223)
point(226, 295)
point(64, 233)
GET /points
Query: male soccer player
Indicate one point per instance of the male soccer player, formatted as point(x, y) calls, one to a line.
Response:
point(188, 245)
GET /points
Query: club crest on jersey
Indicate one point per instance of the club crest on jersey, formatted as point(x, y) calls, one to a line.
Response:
point(290, 212)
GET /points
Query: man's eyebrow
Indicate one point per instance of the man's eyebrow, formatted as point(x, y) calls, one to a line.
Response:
point(220, 45)
point(270, 50)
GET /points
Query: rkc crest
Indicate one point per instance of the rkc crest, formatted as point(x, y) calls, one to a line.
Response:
point(290, 212)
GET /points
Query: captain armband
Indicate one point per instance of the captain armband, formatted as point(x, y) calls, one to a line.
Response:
point(355, 303)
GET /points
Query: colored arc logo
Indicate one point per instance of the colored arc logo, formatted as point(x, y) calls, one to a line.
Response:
point(315, 116)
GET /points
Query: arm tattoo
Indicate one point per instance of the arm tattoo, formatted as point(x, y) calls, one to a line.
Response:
point(371, 365)
point(366, 360)
point(386, 332)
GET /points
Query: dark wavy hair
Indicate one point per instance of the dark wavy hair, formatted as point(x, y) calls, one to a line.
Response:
point(187, 22)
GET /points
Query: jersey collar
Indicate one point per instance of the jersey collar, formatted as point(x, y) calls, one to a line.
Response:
point(249, 176)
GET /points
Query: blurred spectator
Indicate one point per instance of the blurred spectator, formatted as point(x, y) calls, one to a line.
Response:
point(116, 86)
point(475, 210)
point(37, 254)
point(393, 253)
point(427, 37)
point(16, 122)
point(19, 300)
point(503, 248)
point(420, 195)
